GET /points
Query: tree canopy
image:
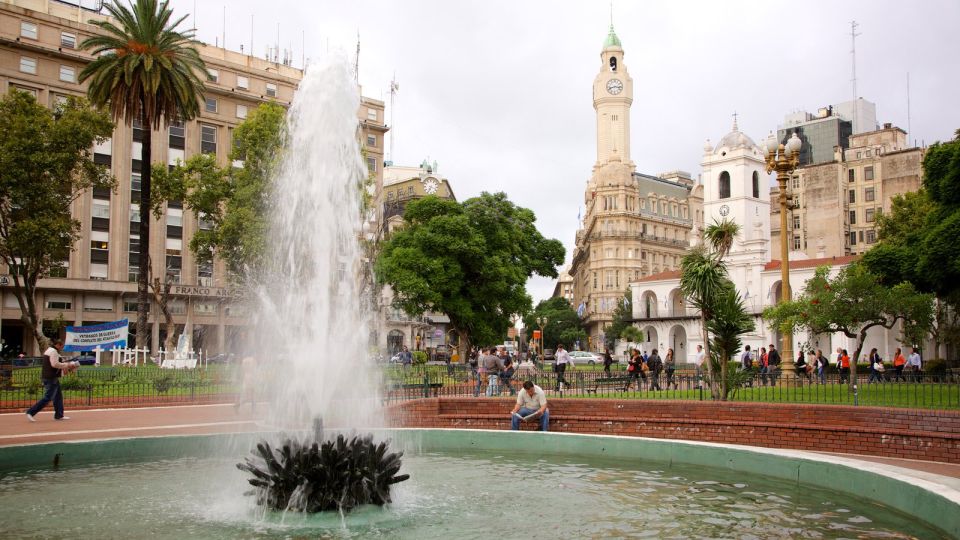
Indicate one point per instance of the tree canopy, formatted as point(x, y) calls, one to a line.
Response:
point(563, 324)
point(622, 318)
point(46, 162)
point(469, 260)
point(853, 302)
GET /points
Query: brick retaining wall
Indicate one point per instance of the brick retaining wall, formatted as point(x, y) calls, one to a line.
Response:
point(901, 433)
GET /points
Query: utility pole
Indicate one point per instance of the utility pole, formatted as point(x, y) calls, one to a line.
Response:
point(853, 54)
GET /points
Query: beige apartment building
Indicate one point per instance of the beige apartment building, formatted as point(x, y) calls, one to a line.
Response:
point(394, 328)
point(39, 53)
point(636, 224)
point(564, 287)
point(836, 203)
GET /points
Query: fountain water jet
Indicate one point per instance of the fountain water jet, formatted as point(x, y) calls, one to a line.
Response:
point(311, 323)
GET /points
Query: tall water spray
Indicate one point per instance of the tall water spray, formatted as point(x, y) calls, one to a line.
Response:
point(311, 325)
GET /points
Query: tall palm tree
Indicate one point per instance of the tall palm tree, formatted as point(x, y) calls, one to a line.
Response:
point(702, 279)
point(145, 70)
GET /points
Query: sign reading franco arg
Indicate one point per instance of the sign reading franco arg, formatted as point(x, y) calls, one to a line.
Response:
point(194, 290)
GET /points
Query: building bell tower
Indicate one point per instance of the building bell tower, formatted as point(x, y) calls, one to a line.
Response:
point(612, 97)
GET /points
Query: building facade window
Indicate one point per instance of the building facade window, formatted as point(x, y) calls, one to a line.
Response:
point(869, 215)
point(28, 30)
point(271, 90)
point(851, 175)
point(213, 76)
point(868, 173)
point(796, 243)
point(853, 217)
point(871, 236)
point(211, 104)
point(372, 114)
point(241, 111)
point(372, 164)
point(853, 196)
point(243, 83)
point(208, 139)
point(177, 135)
point(869, 194)
point(756, 185)
point(68, 40)
point(853, 238)
point(28, 65)
point(372, 141)
point(724, 185)
point(796, 222)
point(68, 74)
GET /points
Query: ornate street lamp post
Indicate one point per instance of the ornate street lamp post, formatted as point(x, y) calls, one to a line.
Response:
point(541, 322)
point(783, 159)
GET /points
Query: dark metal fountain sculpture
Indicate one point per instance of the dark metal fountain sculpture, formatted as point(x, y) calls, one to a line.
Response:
point(319, 475)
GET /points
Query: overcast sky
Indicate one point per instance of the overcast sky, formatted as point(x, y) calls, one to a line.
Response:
point(499, 92)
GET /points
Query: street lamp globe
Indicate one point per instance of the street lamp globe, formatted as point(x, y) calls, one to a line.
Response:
point(794, 144)
point(770, 144)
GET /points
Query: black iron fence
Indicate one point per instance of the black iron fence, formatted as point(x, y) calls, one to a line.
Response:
point(915, 390)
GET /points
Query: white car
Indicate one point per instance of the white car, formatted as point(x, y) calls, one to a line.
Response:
point(580, 357)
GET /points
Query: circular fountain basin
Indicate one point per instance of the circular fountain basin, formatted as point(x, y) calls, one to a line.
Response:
point(471, 484)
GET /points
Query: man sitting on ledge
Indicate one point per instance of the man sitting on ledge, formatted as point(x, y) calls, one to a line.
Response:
point(531, 404)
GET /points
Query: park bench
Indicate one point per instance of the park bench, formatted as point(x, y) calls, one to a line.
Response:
point(429, 389)
point(609, 383)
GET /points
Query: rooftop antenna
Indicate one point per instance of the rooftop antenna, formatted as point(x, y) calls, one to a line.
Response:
point(908, 108)
point(356, 65)
point(251, 34)
point(853, 54)
point(394, 88)
point(224, 27)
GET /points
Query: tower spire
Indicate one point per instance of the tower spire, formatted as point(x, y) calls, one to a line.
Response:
point(735, 128)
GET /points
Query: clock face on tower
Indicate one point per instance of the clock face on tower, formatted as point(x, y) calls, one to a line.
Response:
point(614, 86)
point(430, 185)
point(724, 210)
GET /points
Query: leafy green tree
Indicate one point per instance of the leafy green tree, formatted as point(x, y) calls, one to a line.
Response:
point(46, 162)
point(233, 201)
point(563, 324)
point(852, 303)
point(144, 70)
point(920, 237)
point(469, 260)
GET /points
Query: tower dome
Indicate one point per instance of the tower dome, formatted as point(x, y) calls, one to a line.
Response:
point(736, 139)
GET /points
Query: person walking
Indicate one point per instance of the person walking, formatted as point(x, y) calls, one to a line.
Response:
point(563, 360)
point(492, 366)
point(844, 364)
point(699, 360)
point(899, 362)
point(406, 358)
point(875, 361)
point(474, 363)
point(822, 364)
point(670, 366)
point(655, 365)
point(915, 365)
point(634, 369)
point(607, 362)
point(773, 365)
point(746, 363)
point(506, 376)
point(50, 374)
point(764, 365)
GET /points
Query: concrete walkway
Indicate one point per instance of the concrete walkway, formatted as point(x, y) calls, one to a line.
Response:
point(99, 424)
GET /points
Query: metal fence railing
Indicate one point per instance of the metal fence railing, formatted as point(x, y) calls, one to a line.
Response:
point(920, 391)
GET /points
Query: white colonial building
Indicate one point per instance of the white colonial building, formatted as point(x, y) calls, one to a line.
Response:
point(736, 188)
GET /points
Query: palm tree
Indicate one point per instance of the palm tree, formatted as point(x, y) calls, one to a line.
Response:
point(144, 71)
point(729, 320)
point(704, 281)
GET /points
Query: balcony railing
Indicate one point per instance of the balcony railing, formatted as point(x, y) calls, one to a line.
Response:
point(644, 237)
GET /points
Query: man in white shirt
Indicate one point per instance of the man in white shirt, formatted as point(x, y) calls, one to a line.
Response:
point(563, 360)
point(50, 375)
point(699, 363)
point(914, 364)
point(531, 403)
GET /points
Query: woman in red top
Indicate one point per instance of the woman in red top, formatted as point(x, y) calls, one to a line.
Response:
point(844, 367)
point(898, 362)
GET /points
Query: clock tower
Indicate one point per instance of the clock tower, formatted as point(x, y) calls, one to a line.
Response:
point(612, 97)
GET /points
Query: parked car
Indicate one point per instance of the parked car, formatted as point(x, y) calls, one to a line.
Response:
point(549, 355)
point(580, 357)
